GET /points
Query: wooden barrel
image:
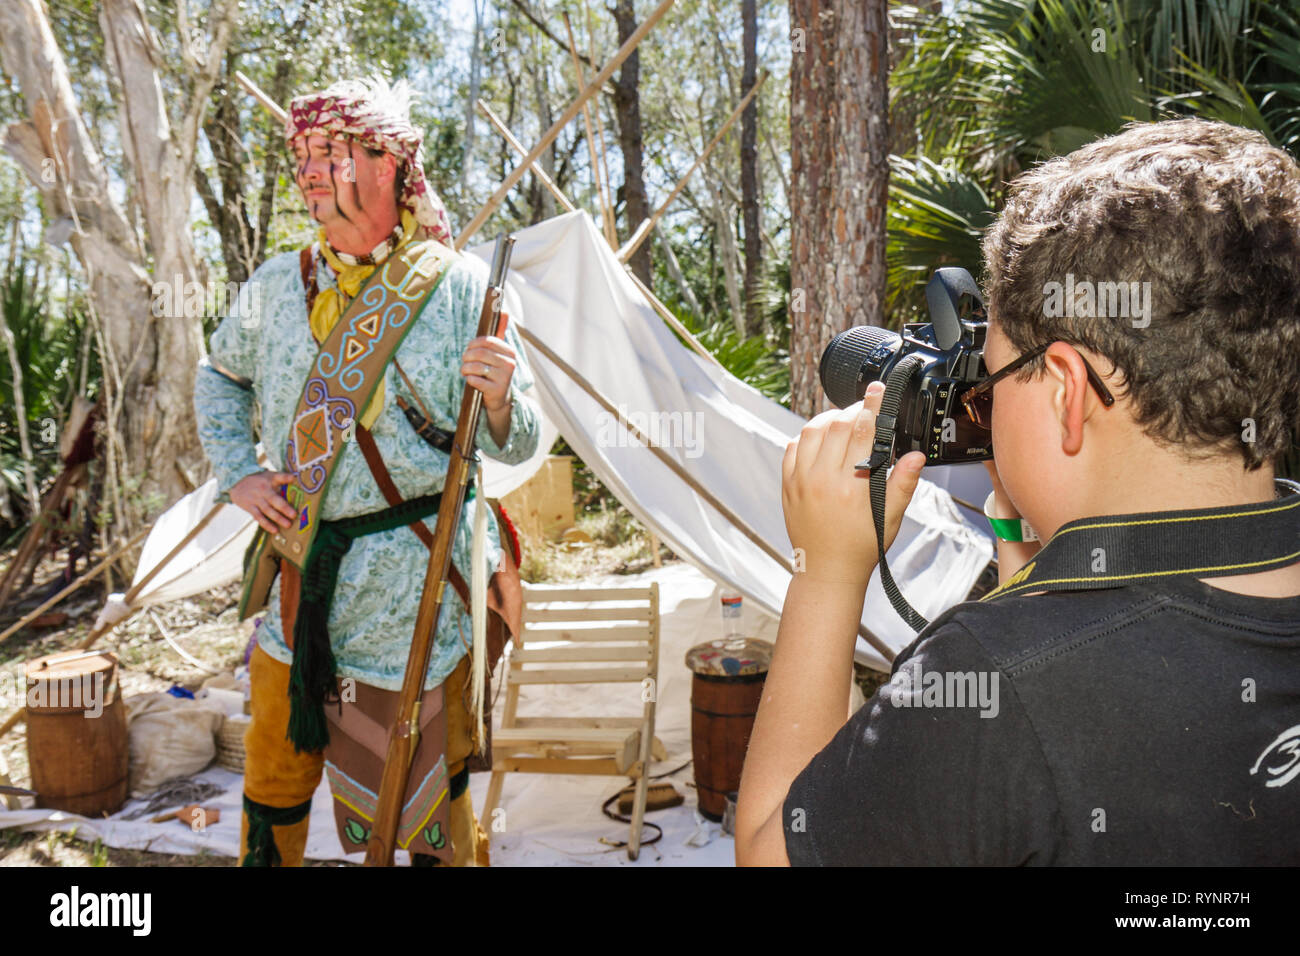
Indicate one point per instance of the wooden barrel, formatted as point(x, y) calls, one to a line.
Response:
point(76, 733)
point(726, 686)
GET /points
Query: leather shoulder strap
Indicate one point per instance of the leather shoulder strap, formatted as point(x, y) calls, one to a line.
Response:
point(307, 267)
point(394, 497)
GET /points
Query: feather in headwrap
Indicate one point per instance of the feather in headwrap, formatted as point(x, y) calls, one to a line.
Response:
point(373, 114)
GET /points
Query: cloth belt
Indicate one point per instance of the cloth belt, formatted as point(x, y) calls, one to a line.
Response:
point(312, 675)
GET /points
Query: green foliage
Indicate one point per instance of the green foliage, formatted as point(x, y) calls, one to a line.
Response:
point(47, 347)
point(998, 85)
point(753, 360)
point(935, 217)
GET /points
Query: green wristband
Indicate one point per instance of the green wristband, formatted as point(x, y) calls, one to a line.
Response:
point(1015, 530)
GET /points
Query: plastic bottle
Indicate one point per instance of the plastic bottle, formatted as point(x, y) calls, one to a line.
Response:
point(732, 611)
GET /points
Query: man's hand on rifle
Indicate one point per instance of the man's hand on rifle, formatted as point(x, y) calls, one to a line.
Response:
point(488, 364)
point(257, 494)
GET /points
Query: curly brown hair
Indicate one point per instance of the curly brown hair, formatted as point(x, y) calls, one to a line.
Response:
point(1209, 215)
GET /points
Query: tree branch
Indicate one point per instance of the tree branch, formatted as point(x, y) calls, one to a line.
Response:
point(522, 7)
point(206, 78)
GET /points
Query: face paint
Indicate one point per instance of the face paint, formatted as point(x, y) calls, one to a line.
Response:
point(334, 187)
point(352, 166)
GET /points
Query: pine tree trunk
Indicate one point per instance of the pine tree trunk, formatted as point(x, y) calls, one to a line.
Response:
point(839, 142)
point(627, 101)
point(751, 194)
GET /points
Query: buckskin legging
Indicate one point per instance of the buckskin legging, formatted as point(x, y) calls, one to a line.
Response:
point(280, 783)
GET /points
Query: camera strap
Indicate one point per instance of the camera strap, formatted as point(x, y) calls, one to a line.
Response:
point(882, 454)
point(1113, 551)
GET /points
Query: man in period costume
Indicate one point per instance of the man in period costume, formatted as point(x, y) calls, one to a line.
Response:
point(358, 341)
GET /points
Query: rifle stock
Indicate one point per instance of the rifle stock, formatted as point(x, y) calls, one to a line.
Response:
point(403, 737)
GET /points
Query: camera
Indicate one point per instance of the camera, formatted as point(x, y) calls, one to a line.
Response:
point(930, 417)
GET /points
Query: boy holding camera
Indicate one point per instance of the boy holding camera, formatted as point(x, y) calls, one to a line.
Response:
point(1144, 659)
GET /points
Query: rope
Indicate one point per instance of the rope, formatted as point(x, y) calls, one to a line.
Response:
point(605, 809)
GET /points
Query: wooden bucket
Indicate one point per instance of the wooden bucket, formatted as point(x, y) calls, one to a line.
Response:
point(76, 733)
point(726, 686)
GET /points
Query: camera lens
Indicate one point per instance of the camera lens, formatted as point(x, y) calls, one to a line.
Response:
point(855, 358)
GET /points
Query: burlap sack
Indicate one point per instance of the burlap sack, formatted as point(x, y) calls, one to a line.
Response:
point(169, 737)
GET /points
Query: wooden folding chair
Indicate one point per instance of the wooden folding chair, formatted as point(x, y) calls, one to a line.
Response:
point(613, 639)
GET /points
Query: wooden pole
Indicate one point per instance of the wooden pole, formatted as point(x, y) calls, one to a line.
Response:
point(664, 312)
point(519, 148)
point(28, 554)
point(643, 231)
point(255, 91)
point(602, 194)
point(565, 118)
point(23, 621)
point(133, 593)
point(600, 129)
point(738, 522)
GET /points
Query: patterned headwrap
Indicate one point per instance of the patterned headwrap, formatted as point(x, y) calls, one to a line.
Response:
point(373, 114)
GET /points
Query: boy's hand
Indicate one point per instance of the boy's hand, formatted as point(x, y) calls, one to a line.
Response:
point(828, 504)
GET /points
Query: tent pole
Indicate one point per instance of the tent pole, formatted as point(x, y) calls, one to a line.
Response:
point(189, 536)
point(130, 596)
point(256, 92)
point(540, 173)
point(13, 720)
point(643, 231)
point(664, 312)
point(23, 621)
point(738, 522)
point(602, 192)
point(600, 130)
point(565, 118)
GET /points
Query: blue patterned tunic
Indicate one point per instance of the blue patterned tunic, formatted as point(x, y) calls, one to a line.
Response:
point(268, 340)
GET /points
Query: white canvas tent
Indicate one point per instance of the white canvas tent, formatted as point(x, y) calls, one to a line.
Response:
point(576, 298)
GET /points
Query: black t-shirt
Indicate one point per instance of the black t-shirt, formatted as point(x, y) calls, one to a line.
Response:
point(1151, 724)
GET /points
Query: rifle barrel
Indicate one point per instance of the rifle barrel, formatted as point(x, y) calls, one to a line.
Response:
point(404, 735)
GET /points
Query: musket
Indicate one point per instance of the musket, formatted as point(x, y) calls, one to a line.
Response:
point(403, 737)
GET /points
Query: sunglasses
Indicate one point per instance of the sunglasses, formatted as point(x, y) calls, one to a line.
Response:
point(979, 399)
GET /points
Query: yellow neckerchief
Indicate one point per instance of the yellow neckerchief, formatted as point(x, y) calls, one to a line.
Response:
point(330, 304)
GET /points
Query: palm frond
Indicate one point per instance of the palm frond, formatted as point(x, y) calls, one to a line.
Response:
point(936, 216)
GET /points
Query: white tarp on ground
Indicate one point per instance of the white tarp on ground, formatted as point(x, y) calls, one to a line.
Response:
point(548, 820)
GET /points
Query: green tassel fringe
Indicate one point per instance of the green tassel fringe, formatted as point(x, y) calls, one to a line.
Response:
point(262, 820)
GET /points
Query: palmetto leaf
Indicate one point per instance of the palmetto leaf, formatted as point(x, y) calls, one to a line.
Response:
point(936, 215)
point(1278, 45)
point(1225, 100)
